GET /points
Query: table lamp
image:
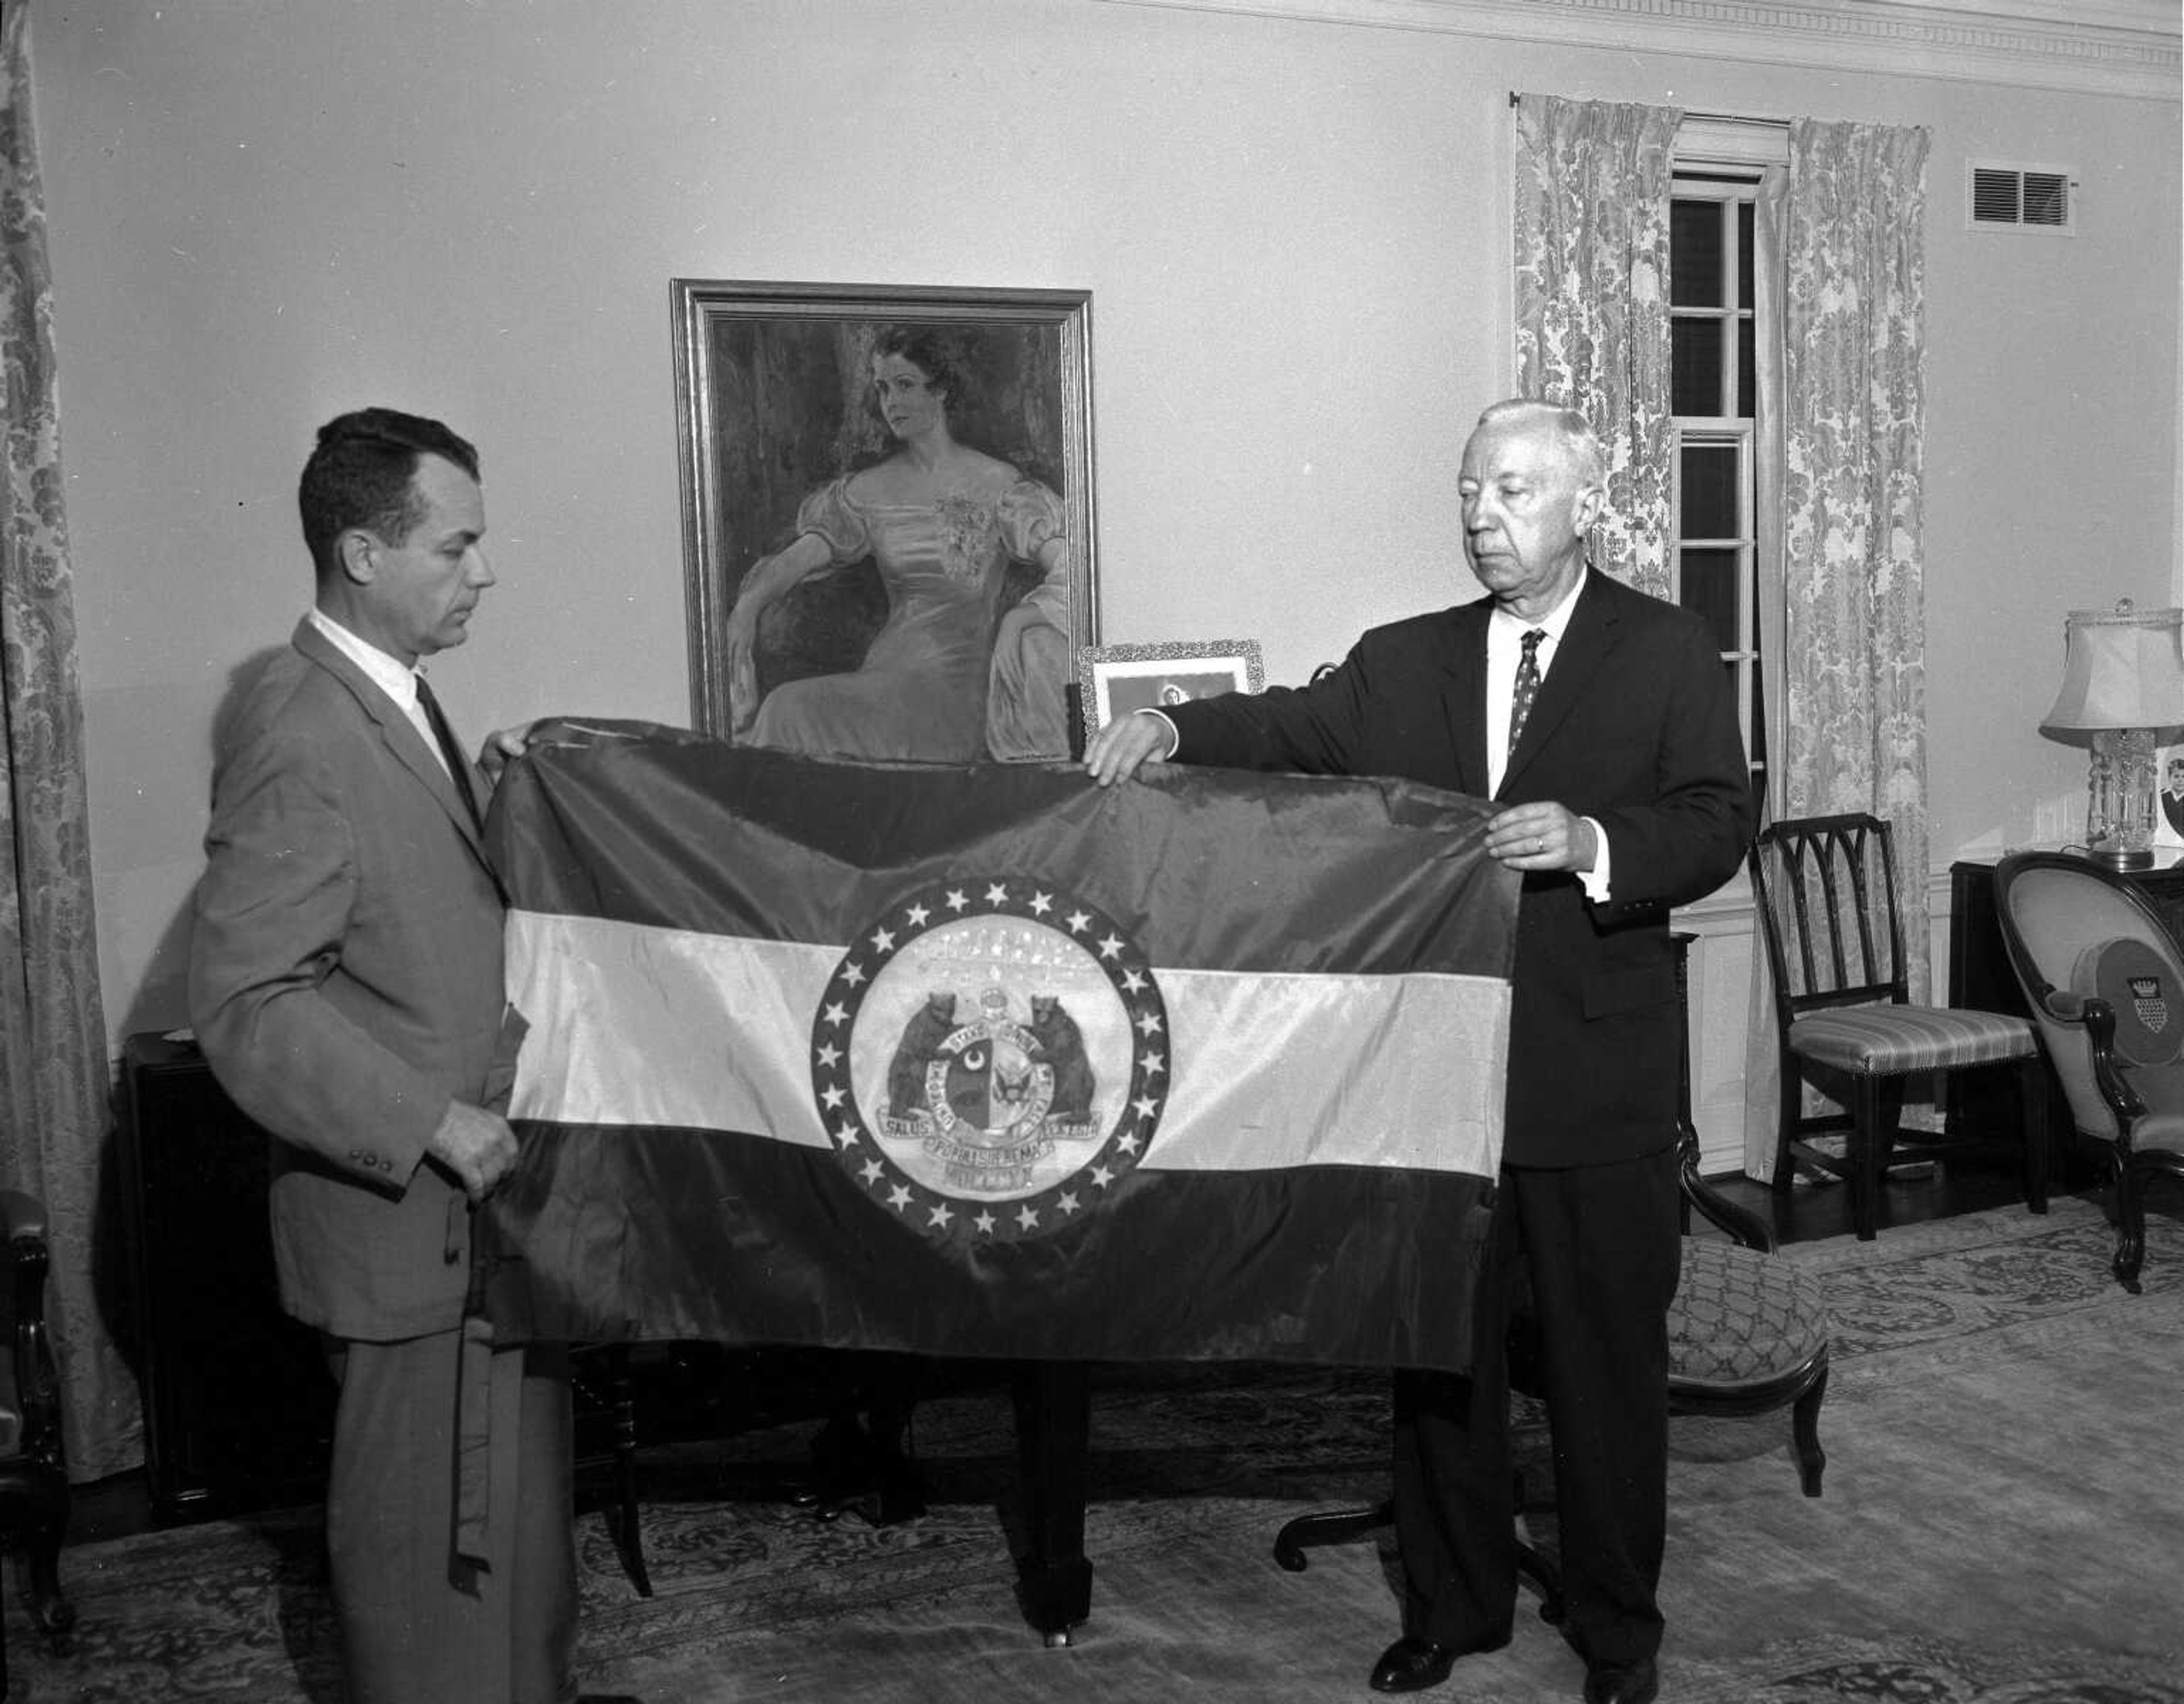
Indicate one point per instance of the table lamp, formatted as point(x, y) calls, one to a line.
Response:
point(2123, 682)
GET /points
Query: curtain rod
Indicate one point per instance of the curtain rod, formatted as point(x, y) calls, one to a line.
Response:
point(1710, 117)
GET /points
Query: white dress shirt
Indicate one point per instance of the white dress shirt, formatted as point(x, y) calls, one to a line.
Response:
point(1505, 650)
point(386, 673)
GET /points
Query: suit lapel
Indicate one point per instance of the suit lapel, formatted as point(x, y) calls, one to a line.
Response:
point(1586, 644)
point(403, 744)
point(1463, 690)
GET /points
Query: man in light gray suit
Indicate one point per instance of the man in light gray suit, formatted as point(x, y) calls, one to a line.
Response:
point(346, 985)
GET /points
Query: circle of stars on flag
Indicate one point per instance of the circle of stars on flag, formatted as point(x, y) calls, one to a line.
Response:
point(948, 1217)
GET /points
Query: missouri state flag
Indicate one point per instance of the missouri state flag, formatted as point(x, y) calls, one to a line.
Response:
point(992, 1061)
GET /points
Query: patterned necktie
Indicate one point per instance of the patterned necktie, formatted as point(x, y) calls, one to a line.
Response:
point(451, 753)
point(1527, 686)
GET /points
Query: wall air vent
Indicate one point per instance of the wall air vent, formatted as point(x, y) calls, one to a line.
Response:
point(2020, 198)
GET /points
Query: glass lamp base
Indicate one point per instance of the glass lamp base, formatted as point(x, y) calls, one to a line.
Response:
point(2121, 858)
point(2121, 802)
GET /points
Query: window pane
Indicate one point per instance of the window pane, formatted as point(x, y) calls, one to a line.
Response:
point(1708, 587)
point(1747, 385)
point(1744, 296)
point(1707, 495)
point(1695, 254)
point(1695, 348)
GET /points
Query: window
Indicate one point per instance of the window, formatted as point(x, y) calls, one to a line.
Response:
point(1715, 558)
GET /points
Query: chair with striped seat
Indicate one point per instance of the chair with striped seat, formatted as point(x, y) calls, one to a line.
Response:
point(1826, 893)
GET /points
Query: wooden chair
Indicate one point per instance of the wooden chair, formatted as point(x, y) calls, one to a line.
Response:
point(603, 1396)
point(2105, 979)
point(1826, 892)
point(34, 1493)
point(687, 1392)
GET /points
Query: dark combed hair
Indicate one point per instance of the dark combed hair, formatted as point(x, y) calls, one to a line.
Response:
point(937, 353)
point(359, 475)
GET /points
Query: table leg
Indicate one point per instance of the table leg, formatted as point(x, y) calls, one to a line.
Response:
point(1053, 1425)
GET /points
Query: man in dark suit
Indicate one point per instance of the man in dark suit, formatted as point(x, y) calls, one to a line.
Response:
point(1602, 721)
point(346, 984)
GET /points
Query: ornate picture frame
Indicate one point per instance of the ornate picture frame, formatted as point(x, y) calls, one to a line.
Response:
point(1114, 680)
point(777, 404)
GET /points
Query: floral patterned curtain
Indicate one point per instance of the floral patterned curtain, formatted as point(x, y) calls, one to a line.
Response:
point(53, 1099)
point(1852, 217)
point(1842, 258)
point(1592, 303)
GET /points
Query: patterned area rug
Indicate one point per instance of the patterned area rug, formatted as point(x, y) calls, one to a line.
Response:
point(2000, 1525)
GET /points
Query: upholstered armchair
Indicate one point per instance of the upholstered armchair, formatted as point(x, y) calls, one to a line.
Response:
point(2104, 978)
point(34, 1496)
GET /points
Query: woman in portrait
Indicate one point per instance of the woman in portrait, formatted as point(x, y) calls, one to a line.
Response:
point(951, 677)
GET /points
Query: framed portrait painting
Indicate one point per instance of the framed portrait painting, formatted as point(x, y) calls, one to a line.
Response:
point(1114, 680)
point(887, 501)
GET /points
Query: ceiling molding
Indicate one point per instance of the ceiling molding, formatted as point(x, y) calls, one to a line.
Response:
point(2128, 47)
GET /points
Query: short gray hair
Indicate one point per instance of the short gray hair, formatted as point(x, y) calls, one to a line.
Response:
point(1574, 434)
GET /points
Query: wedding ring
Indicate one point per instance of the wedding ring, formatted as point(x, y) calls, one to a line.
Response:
point(1539, 845)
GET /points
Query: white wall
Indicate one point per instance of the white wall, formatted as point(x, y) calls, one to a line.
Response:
point(1295, 234)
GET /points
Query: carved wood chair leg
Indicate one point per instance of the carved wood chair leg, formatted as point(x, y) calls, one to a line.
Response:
point(1790, 1096)
point(1330, 1527)
point(1805, 1435)
point(629, 1529)
point(52, 1613)
point(2130, 1222)
point(1864, 1149)
point(1533, 1565)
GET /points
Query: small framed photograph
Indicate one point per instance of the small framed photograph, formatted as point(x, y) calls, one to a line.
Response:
point(1114, 680)
point(2169, 784)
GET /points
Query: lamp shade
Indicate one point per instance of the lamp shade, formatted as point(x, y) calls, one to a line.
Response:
point(2121, 668)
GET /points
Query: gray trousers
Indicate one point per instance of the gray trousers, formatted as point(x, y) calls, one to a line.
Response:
point(419, 1624)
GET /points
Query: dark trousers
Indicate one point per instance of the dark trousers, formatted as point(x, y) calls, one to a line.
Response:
point(419, 1624)
point(1592, 1252)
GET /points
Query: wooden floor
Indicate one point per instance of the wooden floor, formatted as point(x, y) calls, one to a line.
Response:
point(115, 1508)
point(1808, 1210)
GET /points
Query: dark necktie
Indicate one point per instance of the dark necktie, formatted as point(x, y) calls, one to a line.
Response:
point(451, 751)
point(1527, 686)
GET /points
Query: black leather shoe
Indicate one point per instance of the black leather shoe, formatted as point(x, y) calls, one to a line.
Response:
point(1622, 1682)
point(1412, 1665)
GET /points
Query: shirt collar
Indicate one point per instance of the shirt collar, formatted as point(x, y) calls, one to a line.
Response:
point(1552, 623)
point(386, 672)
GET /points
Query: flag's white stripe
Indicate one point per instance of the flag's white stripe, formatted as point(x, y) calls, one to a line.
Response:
point(636, 1025)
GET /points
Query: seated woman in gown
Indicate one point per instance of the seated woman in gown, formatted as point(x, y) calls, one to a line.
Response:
point(941, 682)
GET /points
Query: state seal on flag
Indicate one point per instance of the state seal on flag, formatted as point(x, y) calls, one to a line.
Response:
point(990, 1057)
